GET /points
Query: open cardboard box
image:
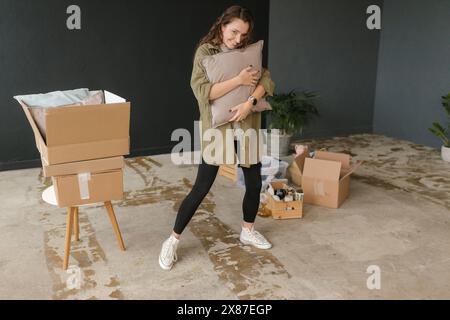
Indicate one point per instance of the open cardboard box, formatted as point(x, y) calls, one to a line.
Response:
point(326, 178)
point(295, 169)
point(283, 209)
point(78, 133)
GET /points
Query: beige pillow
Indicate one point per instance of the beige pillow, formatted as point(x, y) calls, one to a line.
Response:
point(94, 97)
point(227, 65)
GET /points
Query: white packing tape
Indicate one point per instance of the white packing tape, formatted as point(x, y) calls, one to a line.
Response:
point(83, 184)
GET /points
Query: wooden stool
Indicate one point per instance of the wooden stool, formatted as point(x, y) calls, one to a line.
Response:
point(72, 224)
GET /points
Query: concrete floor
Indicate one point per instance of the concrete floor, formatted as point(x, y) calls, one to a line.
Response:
point(397, 217)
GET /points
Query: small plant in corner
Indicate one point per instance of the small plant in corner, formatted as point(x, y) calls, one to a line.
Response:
point(443, 133)
point(291, 113)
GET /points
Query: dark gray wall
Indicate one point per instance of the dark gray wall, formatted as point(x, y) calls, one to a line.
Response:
point(325, 46)
point(141, 50)
point(413, 69)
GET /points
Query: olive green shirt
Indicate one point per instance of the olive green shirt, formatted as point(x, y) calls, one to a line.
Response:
point(201, 87)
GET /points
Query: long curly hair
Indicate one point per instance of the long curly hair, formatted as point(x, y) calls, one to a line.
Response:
point(214, 35)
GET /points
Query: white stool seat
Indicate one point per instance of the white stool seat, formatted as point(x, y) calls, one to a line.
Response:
point(49, 196)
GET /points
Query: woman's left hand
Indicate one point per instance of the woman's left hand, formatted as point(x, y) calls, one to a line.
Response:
point(242, 111)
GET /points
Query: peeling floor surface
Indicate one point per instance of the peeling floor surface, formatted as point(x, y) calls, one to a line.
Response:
point(397, 217)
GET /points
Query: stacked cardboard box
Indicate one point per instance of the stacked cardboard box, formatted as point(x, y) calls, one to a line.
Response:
point(83, 149)
point(325, 178)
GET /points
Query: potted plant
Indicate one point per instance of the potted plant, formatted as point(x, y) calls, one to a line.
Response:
point(291, 112)
point(439, 131)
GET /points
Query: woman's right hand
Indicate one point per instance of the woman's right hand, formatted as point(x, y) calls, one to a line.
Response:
point(248, 77)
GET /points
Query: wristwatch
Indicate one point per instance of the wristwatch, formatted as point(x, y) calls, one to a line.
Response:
point(253, 100)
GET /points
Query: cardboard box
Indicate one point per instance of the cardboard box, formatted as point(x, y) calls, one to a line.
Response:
point(326, 178)
point(294, 173)
point(97, 165)
point(295, 169)
point(229, 172)
point(85, 132)
point(78, 189)
point(283, 209)
point(231, 168)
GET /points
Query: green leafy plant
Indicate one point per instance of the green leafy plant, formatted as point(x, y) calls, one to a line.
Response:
point(292, 111)
point(437, 129)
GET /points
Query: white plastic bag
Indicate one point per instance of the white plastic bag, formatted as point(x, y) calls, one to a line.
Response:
point(271, 168)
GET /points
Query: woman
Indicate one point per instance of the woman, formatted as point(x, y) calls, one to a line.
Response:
point(232, 30)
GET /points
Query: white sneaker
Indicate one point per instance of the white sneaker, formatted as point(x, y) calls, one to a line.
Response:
point(168, 253)
point(254, 238)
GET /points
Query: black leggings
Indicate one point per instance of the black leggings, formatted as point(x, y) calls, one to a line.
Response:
point(205, 178)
